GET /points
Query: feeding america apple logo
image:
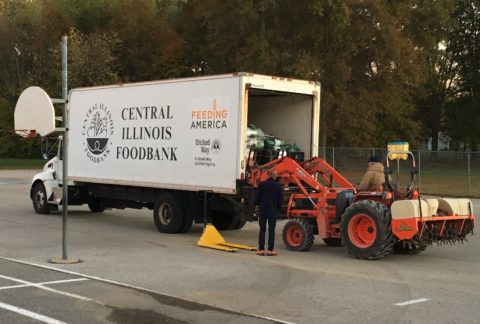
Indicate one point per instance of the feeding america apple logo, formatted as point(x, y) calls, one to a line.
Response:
point(97, 130)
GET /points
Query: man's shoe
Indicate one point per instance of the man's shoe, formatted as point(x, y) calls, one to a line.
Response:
point(334, 221)
point(272, 253)
point(261, 252)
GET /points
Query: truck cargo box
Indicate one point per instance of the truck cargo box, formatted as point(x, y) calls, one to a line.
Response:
point(187, 134)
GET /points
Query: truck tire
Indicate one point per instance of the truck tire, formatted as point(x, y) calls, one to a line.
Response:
point(96, 206)
point(187, 223)
point(223, 221)
point(40, 199)
point(241, 223)
point(168, 213)
point(366, 230)
point(298, 235)
point(332, 241)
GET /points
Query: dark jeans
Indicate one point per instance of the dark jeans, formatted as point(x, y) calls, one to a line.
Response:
point(343, 200)
point(262, 221)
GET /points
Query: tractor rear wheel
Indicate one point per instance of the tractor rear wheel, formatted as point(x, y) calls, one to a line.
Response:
point(409, 247)
point(298, 235)
point(366, 230)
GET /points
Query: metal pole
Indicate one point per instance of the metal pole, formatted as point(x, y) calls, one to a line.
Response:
point(419, 172)
point(469, 178)
point(333, 157)
point(205, 217)
point(65, 148)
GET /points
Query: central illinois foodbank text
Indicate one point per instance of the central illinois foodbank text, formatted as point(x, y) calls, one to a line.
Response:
point(146, 132)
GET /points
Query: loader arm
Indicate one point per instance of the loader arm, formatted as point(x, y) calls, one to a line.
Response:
point(326, 171)
point(288, 172)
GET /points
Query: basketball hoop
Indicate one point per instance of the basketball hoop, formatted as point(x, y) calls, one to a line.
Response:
point(34, 113)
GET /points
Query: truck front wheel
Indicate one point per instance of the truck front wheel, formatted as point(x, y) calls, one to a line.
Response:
point(168, 213)
point(40, 199)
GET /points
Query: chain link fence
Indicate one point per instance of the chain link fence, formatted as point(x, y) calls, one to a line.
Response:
point(445, 173)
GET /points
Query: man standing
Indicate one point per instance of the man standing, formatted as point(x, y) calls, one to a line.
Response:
point(269, 198)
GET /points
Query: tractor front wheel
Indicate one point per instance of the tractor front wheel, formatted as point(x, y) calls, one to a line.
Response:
point(366, 230)
point(298, 235)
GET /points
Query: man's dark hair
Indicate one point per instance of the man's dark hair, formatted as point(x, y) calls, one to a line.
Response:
point(373, 158)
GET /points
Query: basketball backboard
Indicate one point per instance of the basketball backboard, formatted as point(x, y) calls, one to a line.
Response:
point(34, 113)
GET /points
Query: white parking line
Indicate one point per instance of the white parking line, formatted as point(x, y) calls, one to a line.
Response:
point(43, 283)
point(49, 289)
point(414, 301)
point(41, 266)
point(24, 312)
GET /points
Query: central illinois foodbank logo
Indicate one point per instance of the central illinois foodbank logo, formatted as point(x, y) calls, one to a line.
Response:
point(97, 129)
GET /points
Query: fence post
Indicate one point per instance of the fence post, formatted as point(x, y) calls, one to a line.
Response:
point(419, 172)
point(469, 174)
point(333, 157)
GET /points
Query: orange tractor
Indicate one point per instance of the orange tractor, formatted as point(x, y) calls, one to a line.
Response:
point(375, 224)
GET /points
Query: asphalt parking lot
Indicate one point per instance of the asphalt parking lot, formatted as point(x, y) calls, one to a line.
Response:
point(440, 285)
point(30, 294)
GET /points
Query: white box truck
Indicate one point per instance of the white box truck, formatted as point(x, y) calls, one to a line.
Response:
point(159, 144)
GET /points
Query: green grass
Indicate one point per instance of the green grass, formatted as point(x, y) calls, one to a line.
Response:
point(18, 164)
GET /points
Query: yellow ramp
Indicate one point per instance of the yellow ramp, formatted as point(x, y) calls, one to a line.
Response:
point(212, 239)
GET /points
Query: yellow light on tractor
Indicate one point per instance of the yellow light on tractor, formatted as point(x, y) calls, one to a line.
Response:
point(397, 149)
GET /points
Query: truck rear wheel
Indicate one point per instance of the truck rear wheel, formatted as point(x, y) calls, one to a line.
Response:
point(187, 223)
point(96, 206)
point(298, 235)
point(168, 213)
point(240, 224)
point(366, 230)
point(40, 199)
point(224, 221)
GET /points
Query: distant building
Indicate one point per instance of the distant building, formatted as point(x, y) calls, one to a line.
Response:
point(443, 142)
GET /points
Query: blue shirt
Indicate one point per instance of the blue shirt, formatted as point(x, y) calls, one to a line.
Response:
point(269, 197)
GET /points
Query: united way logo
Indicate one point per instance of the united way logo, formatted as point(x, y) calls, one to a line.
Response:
point(216, 146)
point(97, 130)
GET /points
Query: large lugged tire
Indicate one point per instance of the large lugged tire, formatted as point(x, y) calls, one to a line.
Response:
point(409, 247)
point(366, 230)
point(40, 199)
point(298, 235)
point(168, 213)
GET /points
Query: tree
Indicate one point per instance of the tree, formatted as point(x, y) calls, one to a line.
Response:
point(465, 43)
point(149, 48)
